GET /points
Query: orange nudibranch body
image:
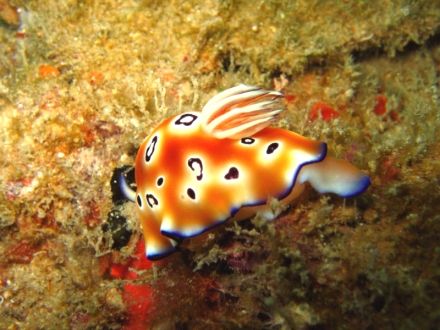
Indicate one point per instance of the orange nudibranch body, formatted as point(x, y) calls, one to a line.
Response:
point(196, 170)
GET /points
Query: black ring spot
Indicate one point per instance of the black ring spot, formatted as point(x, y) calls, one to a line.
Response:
point(272, 147)
point(232, 173)
point(159, 181)
point(151, 200)
point(247, 140)
point(139, 200)
point(150, 149)
point(186, 119)
point(198, 161)
point(191, 193)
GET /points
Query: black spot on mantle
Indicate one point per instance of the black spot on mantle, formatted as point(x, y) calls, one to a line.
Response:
point(247, 140)
point(232, 173)
point(151, 200)
point(198, 161)
point(272, 147)
point(191, 193)
point(182, 120)
point(150, 149)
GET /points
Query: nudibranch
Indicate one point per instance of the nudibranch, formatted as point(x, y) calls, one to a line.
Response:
point(197, 170)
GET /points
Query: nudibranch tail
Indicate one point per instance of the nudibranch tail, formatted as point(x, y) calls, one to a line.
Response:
point(335, 176)
point(240, 111)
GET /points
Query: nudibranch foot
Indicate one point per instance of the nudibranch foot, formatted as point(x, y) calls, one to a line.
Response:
point(336, 176)
point(158, 246)
point(180, 235)
point(197, 170)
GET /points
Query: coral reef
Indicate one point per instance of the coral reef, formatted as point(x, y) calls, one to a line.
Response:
point(83, 82)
